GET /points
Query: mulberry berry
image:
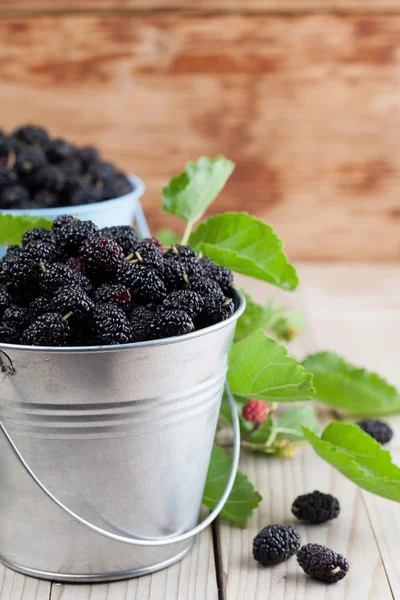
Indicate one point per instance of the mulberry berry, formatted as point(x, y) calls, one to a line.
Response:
point(113, 294)
point(75, 263)
point(168, 323)
point(380, 431)
point(147, 255)
point(143, 283)
point(7, 177)
point(29, 159)
point(71, 236)
point(154, 241)
point(207, 287)
point(83, 282)
point(88, 155)
point(58, 150)
point(101, 257)
point(141, 319)
point(322, 563)
point(16, 316)
point(31, 135)
point(216, 309)
point(41, 252)
point(72, 299)
point(222, 275)
point(8, 334)
point(45, 199)
point(186, 300)
point(275, 544)
point(255, 411)
point(4, 301)
point(85, 196)
point(50, 329)
point(12, 253)
point(54, 276)
point(38, 234)
point(124, 235)
point(316, 507)
point(116, 186)
point(110, 325)
point(38, 306)
point(178, 251)
point(14, 197)
point(24, 274)
point(101, 171)
point(61, 222)
point(49, 177)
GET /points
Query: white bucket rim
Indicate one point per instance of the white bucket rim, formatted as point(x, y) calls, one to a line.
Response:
point(240, 304)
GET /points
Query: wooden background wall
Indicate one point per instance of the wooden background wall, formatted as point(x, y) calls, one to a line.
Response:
point(303, 94)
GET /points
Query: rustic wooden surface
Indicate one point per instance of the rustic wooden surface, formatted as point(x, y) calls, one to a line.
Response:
point(307, 105)
point(352, 309)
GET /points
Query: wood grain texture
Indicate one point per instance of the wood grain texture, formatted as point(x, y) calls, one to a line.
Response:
point(356, 311)
point(194, 577)
point(307, 106)
point(263, 6)
point(14, 586)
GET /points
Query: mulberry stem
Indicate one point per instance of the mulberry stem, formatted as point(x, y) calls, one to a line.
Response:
point(187, 232)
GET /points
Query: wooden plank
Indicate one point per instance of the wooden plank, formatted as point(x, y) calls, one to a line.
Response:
point(280, 481)
point(262, 6)
point(14, 586)
point(307, 106)
point(194, 577)
point(365, 304)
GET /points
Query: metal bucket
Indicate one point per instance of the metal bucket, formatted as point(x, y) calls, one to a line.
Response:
point(110, 451)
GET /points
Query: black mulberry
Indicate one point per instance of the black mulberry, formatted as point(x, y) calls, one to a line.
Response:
point(322, 563)
point(45, 199)
point(168, 323)
point(147, 255)
point(50, 329)
point(71, 236)
point(215, 309)
point(141, 319)
point(29, 159)
point(31, 135)
point(101, 257)
point(316, 507)
point(41, 252)
point(38, 306)
point(4, 301)
point(113, 293)
point(49, 177)
point(275, 544)
point(16, 316)
point(85, 196)
point(23, 275)
point(380, 431)
point(54, 276)
point(14, 197)
point(8, 334)
point(88, 155)
point(58, 150)
point(73, 299)
point(143, 283)
point(101, 171)
point(222, 275)
point(38, 234)
point(7, 177)
point(110, 325)
point(186, 300)
point(124, 235)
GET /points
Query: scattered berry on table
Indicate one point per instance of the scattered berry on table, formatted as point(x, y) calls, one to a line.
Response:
point(275, 544)
point(256, 411)
point(50, 329)
point(114, 293)
point(316, 507)
point(322, 563)
point(109, 325)
point(379, 430)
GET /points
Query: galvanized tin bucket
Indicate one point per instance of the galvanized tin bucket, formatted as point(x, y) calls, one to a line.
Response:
point(110, 451)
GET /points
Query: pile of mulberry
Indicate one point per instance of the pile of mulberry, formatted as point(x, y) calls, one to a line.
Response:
point(316, 507)
point(39, 172)
point(322, 563)
point(275, 544)
point(78, 285)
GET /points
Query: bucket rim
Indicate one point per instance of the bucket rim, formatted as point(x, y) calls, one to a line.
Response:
point(240, 304)
point(98, 207)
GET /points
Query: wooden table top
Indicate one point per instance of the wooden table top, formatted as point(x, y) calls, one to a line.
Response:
point(355, 310)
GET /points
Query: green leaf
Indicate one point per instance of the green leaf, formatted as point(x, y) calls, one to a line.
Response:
point(243, 498)
point(167, 237)
point(359, 458)
point(12, 228)
point(189, 194)
point(288, 326)
point(291, 423)
point(343, 385)
point(259, 367)
point(245, 245)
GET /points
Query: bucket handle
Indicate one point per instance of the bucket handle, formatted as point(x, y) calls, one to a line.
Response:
point(137, 541)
